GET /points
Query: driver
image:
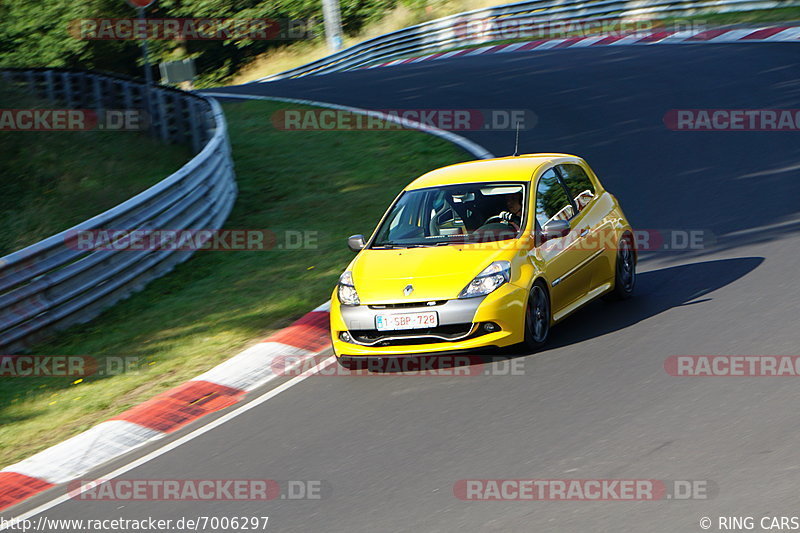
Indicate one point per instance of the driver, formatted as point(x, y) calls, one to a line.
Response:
point(513, 215)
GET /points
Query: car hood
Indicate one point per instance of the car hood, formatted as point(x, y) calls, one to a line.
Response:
point(436, 272)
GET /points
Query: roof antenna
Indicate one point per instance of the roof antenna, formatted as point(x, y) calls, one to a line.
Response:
point(516, 142)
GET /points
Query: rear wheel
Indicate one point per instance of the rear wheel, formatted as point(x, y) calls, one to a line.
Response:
point(625, 271)
point(537, 317)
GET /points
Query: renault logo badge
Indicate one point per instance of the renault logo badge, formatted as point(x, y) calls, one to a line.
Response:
point(408, 290)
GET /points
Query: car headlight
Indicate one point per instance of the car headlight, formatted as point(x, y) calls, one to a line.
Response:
point(489, 280)
point(347, 290)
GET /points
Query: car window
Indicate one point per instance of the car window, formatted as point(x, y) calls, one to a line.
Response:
point(580, 186)
point(403, 222)
point(444, 220)
point(552, 202)
point(459, 213)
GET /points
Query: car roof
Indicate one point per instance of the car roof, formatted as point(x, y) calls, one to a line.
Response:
point(511, 168)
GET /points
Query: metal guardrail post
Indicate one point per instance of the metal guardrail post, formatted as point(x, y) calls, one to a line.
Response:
point(66, 82)
point(50, 86)
point(194, 129)
point(163, 115)
point(97, 94)
point(127, 96)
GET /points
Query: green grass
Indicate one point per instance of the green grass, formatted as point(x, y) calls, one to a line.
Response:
point(210, 308)
point(782, 14)
point(54, 180)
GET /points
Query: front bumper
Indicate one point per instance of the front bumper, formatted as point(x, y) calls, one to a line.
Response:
point(461, 325)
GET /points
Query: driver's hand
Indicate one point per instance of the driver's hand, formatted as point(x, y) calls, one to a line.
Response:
point(507, 216)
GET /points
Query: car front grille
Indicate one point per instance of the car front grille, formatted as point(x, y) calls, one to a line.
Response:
point(448, 333)
point(407, 305)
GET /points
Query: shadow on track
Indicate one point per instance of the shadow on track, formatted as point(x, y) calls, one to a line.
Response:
point(656, 291)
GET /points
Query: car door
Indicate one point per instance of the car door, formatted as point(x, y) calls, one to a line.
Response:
point(591, 223)
point(561, 256)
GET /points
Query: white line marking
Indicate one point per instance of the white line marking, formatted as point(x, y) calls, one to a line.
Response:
point(478, 51)
point(449, 54)
point(628, 39)
point(510, 48)
point(785, 35)
point(324, 307)
point(253, 367)
point(588, 41)
point(418, 59)
point(733, 35)
point(170, 446)
point(550, 44)
point(85, 451)
point(473, 148)
point(678, 36)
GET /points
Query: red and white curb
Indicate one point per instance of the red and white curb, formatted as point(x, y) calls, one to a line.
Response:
point(220, 387)
point(295, 347)
point(721, 35)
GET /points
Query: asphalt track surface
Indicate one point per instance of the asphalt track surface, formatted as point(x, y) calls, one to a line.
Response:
point(597, 402)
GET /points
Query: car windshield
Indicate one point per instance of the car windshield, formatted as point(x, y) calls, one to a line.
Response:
point(454, 214)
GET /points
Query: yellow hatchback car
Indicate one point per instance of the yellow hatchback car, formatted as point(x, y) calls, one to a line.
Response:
point(486, 253)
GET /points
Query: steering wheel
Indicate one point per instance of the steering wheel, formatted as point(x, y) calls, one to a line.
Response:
point(498, 218)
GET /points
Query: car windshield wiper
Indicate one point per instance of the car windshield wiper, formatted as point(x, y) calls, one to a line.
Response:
point(396, 246)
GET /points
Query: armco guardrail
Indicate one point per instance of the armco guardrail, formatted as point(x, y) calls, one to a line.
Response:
point(494, 23)
point(50, 285)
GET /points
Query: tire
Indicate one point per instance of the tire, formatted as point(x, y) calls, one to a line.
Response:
point(537, 317)
point(624, 272)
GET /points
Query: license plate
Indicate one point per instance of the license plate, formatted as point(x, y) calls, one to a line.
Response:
point(428, 319)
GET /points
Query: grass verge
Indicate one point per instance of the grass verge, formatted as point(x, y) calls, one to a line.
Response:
point(54, 180)
point(208, 309)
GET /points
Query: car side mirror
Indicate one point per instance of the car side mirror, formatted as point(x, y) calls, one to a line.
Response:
point(555, 229)
point(356, 242)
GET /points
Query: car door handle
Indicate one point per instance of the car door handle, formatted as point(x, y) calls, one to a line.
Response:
point(584, 232)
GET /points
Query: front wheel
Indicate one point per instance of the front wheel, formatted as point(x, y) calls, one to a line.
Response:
point(625, 271)
point(537, 317)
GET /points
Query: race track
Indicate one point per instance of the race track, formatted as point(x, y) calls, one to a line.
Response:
point(597, 403)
